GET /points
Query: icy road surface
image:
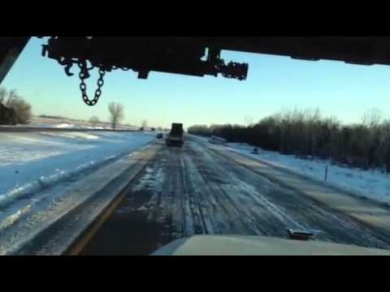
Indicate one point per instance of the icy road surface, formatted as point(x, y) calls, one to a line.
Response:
point(203, 189)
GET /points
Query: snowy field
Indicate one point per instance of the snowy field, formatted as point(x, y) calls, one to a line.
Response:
point(30, 161)
point(371, 184)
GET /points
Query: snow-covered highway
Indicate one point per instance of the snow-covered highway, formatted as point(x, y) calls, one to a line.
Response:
point(165, 194)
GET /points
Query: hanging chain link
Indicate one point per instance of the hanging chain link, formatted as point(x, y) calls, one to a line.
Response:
point(83, 86)
point(84, 74)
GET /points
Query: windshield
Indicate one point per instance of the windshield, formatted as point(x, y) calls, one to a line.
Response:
point(103, 163)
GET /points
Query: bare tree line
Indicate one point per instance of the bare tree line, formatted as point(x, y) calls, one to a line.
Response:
point(21, 108)
point(307, 134)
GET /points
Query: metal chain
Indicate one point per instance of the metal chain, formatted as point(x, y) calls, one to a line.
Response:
point(84, 74)
point(83, 86)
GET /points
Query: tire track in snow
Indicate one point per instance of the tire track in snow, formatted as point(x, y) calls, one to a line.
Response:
point(219, 189)
point(266, 220)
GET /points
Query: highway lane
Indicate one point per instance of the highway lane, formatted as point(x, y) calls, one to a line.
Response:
point(202, 190)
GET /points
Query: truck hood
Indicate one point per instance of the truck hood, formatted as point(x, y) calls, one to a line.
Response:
point(259, 245)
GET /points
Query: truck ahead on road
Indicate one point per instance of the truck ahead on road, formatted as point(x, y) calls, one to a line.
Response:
point(175, 136)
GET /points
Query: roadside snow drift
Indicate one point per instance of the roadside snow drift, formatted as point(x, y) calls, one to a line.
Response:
point(30, 161)
point(371, 184)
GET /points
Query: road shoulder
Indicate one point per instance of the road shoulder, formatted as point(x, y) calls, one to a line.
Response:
point(368, 212)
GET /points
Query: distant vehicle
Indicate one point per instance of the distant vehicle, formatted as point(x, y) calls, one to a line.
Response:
point(175, 136)
point(255, 151)
point(160, 136)
point(217, 140)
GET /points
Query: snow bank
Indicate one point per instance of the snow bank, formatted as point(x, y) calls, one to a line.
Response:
point(73, 135)
point(33, 161)
point(371, 184)
point(64, 126)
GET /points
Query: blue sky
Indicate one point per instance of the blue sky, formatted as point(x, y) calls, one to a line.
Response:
point(274, 83)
